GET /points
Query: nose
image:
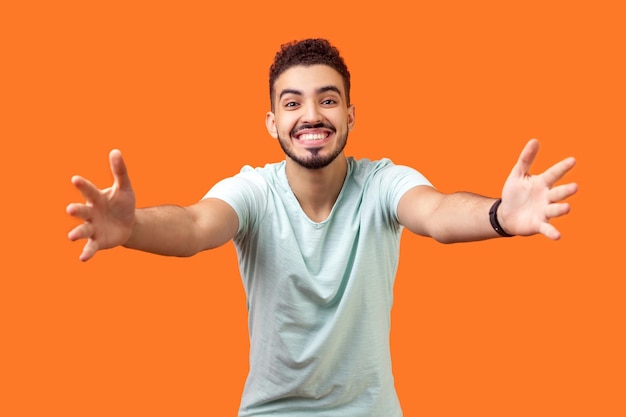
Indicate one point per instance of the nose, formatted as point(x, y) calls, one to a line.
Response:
point(311, 113)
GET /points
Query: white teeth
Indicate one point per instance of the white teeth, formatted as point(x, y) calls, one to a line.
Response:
point(312, 136)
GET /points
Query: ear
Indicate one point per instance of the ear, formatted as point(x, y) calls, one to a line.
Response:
point(270, 124)
point(351, 116)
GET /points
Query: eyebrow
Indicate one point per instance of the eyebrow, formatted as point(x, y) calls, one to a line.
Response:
point(320, 90)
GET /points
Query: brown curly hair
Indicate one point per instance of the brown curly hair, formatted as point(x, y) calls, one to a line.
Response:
point(308, 52)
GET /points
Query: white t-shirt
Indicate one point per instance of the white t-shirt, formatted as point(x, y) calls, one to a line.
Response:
point(319, 295)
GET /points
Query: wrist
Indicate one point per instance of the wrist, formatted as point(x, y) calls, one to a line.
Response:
point(493, 219)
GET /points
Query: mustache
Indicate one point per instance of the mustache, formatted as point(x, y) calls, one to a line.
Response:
point(315, 126)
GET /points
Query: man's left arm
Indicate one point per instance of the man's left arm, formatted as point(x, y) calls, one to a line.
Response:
point(528, 203)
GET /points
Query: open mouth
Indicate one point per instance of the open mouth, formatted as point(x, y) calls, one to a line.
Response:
point(313, 139)
point(313, 136)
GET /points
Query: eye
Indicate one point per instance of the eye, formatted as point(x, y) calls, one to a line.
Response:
point(329, 102)
point(291, 104)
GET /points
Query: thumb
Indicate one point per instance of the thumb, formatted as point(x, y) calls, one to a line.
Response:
point(119, 171)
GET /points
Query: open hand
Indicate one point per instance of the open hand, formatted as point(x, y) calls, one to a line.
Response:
point(108, 214)
point(530, 201)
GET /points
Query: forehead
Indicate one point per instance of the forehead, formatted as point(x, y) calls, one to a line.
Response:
point(308, 79)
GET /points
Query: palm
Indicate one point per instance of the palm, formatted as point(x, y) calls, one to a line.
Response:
point(530, 201)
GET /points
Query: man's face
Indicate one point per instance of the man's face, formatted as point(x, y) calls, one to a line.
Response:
point(311, 117)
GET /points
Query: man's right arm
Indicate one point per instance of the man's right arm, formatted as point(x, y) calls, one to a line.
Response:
point(110, 219)
point(183, 231)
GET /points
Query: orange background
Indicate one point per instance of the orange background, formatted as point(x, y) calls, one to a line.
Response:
point(522, 327)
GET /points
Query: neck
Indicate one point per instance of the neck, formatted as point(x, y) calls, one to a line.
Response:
point(317, 189)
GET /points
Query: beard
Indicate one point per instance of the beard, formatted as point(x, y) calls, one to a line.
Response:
point(314, 160)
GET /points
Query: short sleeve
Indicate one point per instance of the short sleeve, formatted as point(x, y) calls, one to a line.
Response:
point(246, 193)
point(393, 182)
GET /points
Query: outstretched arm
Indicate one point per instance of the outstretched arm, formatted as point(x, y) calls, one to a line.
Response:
point(528, 204)
point(110, 219)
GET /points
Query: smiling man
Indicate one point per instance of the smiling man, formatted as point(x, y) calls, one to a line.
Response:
point(317, 237)
point(313, 116)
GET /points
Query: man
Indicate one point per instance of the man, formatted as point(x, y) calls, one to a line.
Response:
point(317, 237)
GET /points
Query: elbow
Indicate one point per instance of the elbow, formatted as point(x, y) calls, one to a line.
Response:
point(446, 237)
point(446, 240)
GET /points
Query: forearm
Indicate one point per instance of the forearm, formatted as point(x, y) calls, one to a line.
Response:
point(462, 217)
point(165, 230)
point(447, 218)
